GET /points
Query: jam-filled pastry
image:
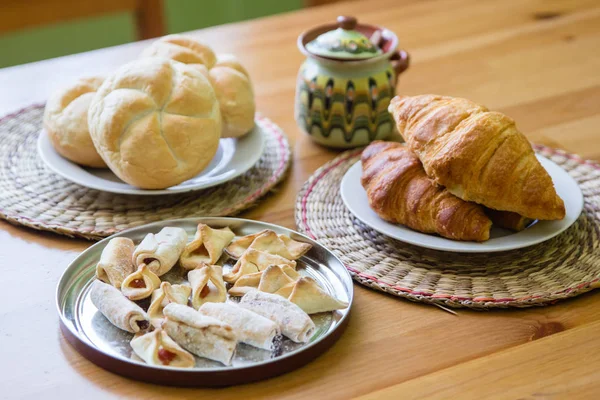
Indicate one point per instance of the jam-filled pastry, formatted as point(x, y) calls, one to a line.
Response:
point(121, 312)
point(255, 261)
point(140, 284)
point(207, 246)
point(157, 348)
point(207, 285)
point(310, 297)
point(270, 242)
point(292, 320)
point(274, 278)
point(160, 252)
point(251, 328)
point(201, 335)
point(115, 262)
point(164, 295)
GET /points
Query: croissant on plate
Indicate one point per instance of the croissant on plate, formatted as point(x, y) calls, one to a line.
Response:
point(477, 154)
point(399, 191)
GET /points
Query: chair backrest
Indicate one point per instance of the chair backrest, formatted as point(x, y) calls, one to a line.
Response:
point(21, 14)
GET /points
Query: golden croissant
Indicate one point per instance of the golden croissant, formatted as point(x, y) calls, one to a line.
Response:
point(399, 191)
point(477, 154)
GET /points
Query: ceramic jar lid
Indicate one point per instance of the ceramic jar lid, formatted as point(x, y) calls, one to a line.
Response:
point(344, 43)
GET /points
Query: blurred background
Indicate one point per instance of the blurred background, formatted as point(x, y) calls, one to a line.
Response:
point(33, 30)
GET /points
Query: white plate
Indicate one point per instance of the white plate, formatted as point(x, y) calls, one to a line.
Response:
point(233, 158)
point(355, 198)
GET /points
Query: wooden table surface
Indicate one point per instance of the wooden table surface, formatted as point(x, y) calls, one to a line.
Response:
point(535, 60)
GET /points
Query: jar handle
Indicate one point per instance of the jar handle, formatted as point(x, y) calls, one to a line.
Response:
point(400, 61)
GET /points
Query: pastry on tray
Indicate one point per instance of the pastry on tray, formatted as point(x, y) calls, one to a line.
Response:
point(207, 246)
point(155, 122)
point(201, 335)
point(250, 327)
point(140, 284)
point(121, 312)
point(476, 154)
point(310, 297)
point(207, 285)
point(400, 191)
point(66, 121)
point(255, 261)
point(115, 261)
point(292, 320)
point(270, 242)
point(161, 251)
point(157, 348)
point(164, 295)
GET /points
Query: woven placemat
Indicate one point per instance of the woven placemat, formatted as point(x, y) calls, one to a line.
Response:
point(34, 196)
point(562, 267)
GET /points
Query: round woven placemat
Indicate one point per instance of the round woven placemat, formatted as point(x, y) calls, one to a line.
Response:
point(34, 196)
point(562, 267)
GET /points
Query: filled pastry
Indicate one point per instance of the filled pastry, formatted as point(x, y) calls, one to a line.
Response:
point(275, 277)
point(207, 285)
point(270, 242)
point(292, 320)
point(164, 295)
point(206, 248)
point(201, 335)
point(255, 261)
point(121, 312)
point(115, 262)
point(140, 284)
point(157, 348)
point(270, 279)
point(310, 297)
point(250, 328)
point(160, 252)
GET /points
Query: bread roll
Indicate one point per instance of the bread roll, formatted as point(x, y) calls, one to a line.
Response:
point(183, 49)
point(236, 99)
point(231, 61)
point(65, 120)
point(156, 122)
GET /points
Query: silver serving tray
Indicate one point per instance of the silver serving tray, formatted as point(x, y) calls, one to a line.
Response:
point(107, 346)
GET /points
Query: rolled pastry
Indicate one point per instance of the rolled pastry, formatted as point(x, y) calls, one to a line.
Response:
point(207, 246)
point(310, 297)
point(164, 295)
point(115, 262)
point(255, 261)
point(157, 348)
point(275, 277)
point(140, 284)
point(207, 285)
point(270, 242)
point(204, 336)
point(160, 252)
point(293, 322)
point(121, 312)
point(250, 328)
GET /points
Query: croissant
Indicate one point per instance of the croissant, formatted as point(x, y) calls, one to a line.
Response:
point(399, 191)
point(508, 220)
point(477, 154)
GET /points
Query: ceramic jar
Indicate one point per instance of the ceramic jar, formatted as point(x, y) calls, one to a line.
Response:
point(346, 83)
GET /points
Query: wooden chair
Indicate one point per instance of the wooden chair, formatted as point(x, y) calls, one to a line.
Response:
point(20, 14)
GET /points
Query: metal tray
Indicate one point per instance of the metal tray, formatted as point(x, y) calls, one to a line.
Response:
point(108, 347)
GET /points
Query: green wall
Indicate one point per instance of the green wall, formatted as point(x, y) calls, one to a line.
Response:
point(94, 33)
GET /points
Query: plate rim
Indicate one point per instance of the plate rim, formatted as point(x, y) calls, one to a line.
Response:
point(143, 372)
point(259, 127)
point(468, 245)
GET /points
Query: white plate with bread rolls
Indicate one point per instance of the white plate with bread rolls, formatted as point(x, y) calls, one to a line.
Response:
point(233, 157)
point(500, 239)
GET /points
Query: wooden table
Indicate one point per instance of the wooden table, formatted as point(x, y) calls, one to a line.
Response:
point(537, 61)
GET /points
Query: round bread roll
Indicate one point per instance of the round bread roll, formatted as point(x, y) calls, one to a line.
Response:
point(156, 122)
point(66, 121)
point(236, 100)
point(183, 49)
point(231, 61)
